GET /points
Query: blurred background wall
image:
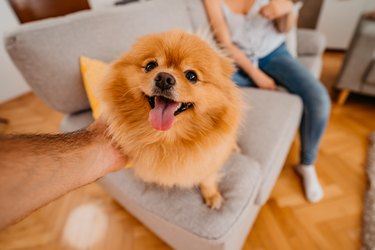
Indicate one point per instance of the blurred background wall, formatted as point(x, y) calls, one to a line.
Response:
point(11, 82)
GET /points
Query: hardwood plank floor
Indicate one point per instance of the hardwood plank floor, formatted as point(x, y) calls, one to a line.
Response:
point(287, 221)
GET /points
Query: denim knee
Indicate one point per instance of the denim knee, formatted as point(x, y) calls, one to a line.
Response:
point(323, 104)
point(317, 102)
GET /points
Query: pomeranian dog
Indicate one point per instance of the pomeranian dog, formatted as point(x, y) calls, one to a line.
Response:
point(172, 107)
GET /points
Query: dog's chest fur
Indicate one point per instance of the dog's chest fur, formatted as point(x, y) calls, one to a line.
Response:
point(176, 164)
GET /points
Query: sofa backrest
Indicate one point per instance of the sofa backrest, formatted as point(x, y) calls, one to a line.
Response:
point(47, 52)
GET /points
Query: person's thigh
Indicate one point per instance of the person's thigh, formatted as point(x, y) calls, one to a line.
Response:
point(291, 74)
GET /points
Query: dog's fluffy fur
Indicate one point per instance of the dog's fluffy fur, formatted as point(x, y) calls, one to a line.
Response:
point(195, 147)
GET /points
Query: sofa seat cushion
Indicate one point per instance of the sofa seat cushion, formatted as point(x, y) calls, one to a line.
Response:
point(185, 208)
point(269, 128)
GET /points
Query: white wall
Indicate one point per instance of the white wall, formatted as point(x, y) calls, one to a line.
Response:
point(11, 82)
point(369, 5)
point(99, 4)
point(338, 20)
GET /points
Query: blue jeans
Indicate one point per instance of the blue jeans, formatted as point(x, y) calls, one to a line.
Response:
point(289, 73)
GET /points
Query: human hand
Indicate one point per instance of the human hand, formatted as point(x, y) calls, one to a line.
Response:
point(263, 81)
point(105, 156)
point(276, 9)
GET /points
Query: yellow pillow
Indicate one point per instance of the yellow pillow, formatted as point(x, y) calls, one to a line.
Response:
point(93, 72)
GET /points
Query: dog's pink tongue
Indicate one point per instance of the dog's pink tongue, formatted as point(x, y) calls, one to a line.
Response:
point(162, 115)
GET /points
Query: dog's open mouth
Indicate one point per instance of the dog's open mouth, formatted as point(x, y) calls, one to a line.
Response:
point(164, 110)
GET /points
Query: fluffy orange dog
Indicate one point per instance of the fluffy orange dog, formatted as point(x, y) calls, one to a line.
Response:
point(174, 110)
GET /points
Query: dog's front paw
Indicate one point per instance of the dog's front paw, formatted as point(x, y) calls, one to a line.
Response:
point(214, 201)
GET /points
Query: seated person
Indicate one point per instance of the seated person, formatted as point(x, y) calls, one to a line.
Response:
point(252, 32)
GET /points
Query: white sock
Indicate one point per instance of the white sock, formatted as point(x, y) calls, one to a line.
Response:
point(313, 190)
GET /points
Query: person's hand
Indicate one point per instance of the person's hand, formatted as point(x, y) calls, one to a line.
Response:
point(276, 9)
point(36, 169)
point(105, 155)
point(263, 81)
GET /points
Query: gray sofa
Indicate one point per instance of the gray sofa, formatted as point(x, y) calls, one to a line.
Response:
point(358, 70)
point(47, 54)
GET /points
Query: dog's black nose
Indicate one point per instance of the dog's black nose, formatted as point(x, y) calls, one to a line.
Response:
point(164, 81)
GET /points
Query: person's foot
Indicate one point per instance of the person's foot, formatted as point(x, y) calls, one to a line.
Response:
point(313, 190)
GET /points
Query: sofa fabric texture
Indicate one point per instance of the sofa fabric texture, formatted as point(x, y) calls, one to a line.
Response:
point(185, 208)
point(270, 126)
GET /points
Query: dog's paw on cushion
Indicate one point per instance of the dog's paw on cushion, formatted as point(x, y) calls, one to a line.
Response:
point(93, 72)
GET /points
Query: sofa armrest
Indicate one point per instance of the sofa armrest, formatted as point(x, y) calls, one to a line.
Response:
point(268, 132)
point(310, 42)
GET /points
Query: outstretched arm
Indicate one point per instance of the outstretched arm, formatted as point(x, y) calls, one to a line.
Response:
point(36, 169)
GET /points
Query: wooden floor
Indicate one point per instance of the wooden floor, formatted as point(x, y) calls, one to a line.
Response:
point(287, 221)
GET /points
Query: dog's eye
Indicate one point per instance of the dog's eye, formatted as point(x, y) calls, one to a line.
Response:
point(150, 66)
point(191, 76)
